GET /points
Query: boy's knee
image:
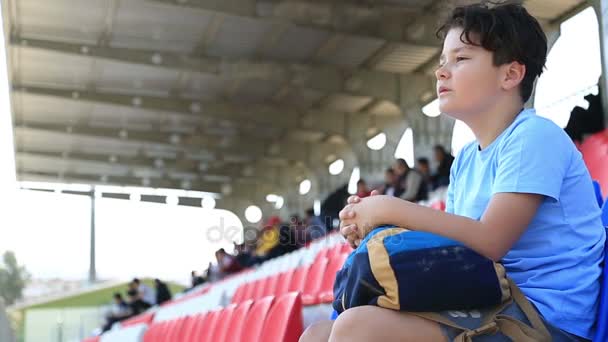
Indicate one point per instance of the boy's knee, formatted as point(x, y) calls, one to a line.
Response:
point(350, 324)
point(319, 331)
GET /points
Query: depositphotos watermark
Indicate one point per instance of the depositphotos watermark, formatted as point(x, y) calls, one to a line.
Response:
point(288, 234)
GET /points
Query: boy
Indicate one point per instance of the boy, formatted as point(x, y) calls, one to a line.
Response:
point(520, 194)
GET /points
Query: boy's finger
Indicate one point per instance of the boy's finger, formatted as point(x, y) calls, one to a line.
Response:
point(348, 230)
point(346, 214)
point(357, 242)
point(375, 193)
point(353, 199)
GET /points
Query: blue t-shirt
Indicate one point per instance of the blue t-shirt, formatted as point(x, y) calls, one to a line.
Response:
point(556, 262)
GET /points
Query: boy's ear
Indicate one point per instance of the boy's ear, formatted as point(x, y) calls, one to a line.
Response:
point(514, 73)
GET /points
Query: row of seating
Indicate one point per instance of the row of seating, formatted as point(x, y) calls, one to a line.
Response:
point(315, 282)
point(271, 318)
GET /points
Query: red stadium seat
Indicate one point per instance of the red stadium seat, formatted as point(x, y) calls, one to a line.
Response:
point(346, 248)
point(154, 332)
point(92, 339)
point(438, 205)
point(145, 317)
point(252, 329)
point(237, 321)
point(284, 321)
point(196, 326)
point(207, 330)
point(313, 281)
point(326, 292)
point(223, 324)
point(283, 283)
point(298, 279)
point(183, 329)
point(173, 329)
point(240, 293)
point(322, 254)
point(334, 251)
point(271, 285)
point(259, 288)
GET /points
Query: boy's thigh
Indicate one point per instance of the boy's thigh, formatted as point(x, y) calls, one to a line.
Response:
point(372, 323)
point(319, 331)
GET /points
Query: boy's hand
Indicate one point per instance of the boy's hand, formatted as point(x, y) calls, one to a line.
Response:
point(351, 222)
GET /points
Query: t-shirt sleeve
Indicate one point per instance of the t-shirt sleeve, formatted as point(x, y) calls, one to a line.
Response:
point(534, 159)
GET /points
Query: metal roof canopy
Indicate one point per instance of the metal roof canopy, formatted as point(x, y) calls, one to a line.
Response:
point(204, 93)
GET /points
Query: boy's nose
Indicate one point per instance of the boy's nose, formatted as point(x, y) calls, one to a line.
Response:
point(441, 73)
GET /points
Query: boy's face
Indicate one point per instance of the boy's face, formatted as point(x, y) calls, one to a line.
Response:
point(467, 80)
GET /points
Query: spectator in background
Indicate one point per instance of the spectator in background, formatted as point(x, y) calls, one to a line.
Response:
point(410, 181)
point(391, 184)
point(163, 293)
point(244, 256)
point(120, 310)
point(444, 160)
point(136, 304)
point(227, 263)
point(146, 293)
point(269, 237)
point(315, 227)
point(424, 167)
point(196, 280)
point(362, 189)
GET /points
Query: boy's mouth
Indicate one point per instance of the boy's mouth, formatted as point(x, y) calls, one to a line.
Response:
point(443, 90)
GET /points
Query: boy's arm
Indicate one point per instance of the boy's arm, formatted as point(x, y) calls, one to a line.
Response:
point(504, 221)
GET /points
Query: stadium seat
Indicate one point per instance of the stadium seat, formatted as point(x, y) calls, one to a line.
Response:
point(326, 291)
point(223, 324)
point(183, 329)
point(438, 205)
point(259, 288)
point(92, 339)
point(346, 248)
point(313, 281)
point(145, 318)
point(334, 252)
point(253, 325)
point(237, 321)
point(283, 283)
point(196, 324)
point(298, 279)
point(270, 286)
point(321, 254)
point(241, 293)
point(205, 331)
point(284, 321)
point(598, 193)
point(601, 334)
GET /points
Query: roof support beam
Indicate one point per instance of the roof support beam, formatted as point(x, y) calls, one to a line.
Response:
point(326, 78)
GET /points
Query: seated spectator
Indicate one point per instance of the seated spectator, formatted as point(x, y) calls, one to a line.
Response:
point(147, 294)
point(244, 256)
point(227, 263)
point(269, 237)
point(410, 181)
point(444, 160)
point(196, 280)
point(136, 303)
point(163, 294)
point(392, 186)
point(424, 167)
point(120, 310)
point(315, 227)
point(362, 189)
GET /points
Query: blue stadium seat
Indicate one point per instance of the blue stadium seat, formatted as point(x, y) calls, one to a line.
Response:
point(598, 193)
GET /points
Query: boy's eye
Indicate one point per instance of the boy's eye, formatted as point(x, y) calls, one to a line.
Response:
point(458, 59)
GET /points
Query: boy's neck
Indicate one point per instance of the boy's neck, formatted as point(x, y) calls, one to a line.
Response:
point(488, 125)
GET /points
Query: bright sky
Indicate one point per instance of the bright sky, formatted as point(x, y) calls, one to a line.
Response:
point(50, 232)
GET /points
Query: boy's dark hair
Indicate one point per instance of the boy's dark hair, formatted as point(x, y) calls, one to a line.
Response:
point(508, 31)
